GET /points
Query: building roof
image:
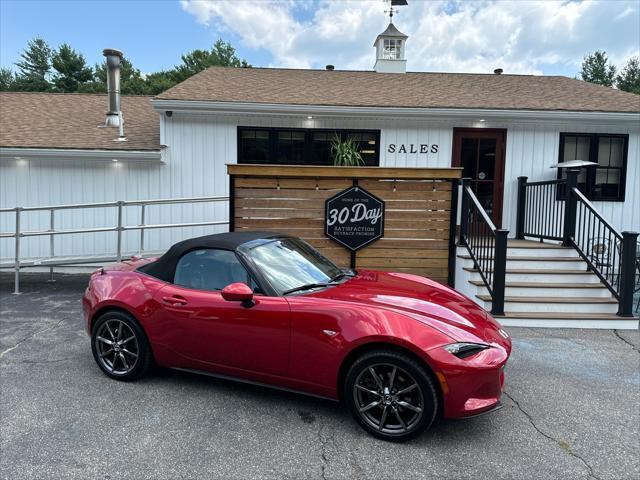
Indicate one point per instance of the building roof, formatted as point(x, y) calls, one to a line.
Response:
point(71, 120)
point(412, 89)
point(391, 31)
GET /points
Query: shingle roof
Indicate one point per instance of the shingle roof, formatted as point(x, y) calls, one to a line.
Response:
point(421, 90)
point(58, 120)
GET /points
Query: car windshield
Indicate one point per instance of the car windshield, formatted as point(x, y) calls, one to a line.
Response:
point(290, 263)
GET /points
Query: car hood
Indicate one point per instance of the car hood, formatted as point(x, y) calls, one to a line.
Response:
point(424, 300)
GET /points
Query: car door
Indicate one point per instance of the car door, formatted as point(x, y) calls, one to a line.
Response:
point(218, 334)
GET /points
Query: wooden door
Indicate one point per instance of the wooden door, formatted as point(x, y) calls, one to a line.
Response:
point(481, 154)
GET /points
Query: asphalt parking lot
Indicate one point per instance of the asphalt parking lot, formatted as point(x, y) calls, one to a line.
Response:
point(572, 411)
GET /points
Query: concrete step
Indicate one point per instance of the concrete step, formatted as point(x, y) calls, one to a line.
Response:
point(573, 305)
point(549, 289)
point(550, 275)
point(568, 320)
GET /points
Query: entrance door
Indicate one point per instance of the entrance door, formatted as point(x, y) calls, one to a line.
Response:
point(480, 152)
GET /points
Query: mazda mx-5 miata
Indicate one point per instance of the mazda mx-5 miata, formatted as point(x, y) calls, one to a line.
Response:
point(398, 349)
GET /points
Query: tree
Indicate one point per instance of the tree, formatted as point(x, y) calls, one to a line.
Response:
point(72, 74)
point(35, 66)
point(629, 77)
point(158, 82)
point(131, 81)
point(71, 68)
point(222, 54)
point(7, 79)
point(597, 69)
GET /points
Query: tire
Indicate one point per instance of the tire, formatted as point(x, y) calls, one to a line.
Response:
point(403, 389)
point(129, 359)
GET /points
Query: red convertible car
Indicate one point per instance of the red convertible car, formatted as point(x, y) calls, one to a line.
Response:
point(398, 349)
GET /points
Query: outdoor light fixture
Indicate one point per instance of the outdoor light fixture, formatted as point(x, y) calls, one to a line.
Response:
point(482, 120)
point(573, 164)
point(309, 117)
point(114, 160)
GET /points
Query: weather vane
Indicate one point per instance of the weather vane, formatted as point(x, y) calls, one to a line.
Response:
point(394, 3)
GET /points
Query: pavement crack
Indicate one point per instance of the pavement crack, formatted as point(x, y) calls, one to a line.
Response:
point(562, 444)
point(29, 337)
point(626, 341)
point(41, 362)
point(323, 450)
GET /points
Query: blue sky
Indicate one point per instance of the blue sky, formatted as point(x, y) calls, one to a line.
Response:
point(539, 37)
point(152, 33)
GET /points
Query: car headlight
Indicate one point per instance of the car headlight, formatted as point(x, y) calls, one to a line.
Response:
point(464, 350)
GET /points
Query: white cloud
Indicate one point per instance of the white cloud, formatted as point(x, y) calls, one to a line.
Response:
point(456, 36)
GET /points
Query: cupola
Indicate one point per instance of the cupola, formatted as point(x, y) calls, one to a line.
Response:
point(390, 51)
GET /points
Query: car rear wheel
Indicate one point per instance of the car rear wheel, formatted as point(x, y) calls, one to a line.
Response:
point(391, 395)
point(120, 347)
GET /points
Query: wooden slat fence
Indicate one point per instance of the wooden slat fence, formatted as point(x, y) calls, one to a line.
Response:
point(419, 206)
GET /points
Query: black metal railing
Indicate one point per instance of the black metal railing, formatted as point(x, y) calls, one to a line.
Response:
point(612, 256)
point(486, 244)
point(540, 213)
point(557, 210)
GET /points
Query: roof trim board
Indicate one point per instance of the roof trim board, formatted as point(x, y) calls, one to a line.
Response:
point(80, 154)
point(162, 105)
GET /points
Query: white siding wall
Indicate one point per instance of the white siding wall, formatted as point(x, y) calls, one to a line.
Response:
point(199, 146)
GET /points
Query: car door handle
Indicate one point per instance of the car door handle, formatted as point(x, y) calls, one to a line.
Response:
point(175, 300)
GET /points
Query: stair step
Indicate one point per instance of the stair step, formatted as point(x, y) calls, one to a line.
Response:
point(480, 283)
point(580, 300)
point(535, 270)
point(533, 259)
point(565, 315)
point(568, 320)
point(513, 243)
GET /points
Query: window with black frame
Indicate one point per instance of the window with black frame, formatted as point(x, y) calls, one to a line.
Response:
point(287, 146)
point(606, 180)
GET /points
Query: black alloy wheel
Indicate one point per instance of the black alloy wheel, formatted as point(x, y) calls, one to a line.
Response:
point(120, 347)
point(391, 395)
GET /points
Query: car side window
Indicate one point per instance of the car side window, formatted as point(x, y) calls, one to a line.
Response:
point(211, 269)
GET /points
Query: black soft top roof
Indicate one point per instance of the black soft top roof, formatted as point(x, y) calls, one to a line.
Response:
point(164, 268)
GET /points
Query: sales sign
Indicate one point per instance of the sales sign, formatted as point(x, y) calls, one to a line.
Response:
point(354, 218)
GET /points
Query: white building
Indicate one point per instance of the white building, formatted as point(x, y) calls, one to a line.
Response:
point(55, 150)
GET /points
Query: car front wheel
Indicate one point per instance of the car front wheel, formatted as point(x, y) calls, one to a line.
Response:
point(120, 346)
point(391, 395)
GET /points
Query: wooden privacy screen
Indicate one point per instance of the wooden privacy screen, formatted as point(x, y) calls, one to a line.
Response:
point(419, 206)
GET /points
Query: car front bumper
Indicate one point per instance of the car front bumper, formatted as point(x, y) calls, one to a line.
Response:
point(473, 385)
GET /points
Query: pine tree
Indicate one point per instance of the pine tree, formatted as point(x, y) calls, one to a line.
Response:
point(596, 69)
point(34, 67)
point(222, 54)
point(629, 77)
point(71, 69)
point(7, 79)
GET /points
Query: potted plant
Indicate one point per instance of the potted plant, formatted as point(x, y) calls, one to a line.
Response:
point(345, 153)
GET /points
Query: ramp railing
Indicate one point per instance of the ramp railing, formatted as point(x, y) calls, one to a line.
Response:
point(18, 234)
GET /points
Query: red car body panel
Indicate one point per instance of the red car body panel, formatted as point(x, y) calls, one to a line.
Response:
point(301, 341)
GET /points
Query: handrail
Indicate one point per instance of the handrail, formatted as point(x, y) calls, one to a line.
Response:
point(53, 260)
point(486, 244)
point(163, 201)
point(557, 210)
point(611, 255)
point(481, 211)
point(539, 209)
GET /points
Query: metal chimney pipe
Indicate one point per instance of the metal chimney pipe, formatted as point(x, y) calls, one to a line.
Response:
point(114, 58)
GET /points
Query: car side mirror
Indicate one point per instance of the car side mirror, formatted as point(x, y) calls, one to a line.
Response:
point(237, 292)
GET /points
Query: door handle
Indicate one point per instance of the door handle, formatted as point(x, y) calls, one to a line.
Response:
point(175, 300)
